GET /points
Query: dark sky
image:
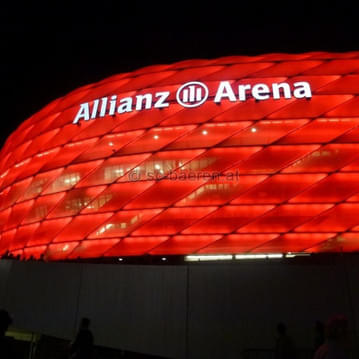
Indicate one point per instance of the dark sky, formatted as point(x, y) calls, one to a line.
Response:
point(46, 53)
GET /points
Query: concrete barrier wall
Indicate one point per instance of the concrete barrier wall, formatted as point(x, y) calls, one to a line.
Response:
point(136, 308)
point(43, 297)
point(237, 307)
point(196, 311)
point(5, 267)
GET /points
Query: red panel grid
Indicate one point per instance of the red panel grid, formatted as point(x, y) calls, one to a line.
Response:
point(239, 175)
point(22, 236)
point(174, 220)
point(321, 130)
point(227, 219)
point(92, 248)
point(272, 158)
point(219, 190)
point(264, 132)
point(208, 135)
point(284, 218)
point(184, 244)
point(346, 242)
point(108, 145)
point(123, 223)
point(48, 230)
point(135, 246)
point(293, 242)
point(237, 243)
point(278, 188)
point(11, 194)
point(116, 196)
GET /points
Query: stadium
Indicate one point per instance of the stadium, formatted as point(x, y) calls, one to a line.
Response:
point(249, 164)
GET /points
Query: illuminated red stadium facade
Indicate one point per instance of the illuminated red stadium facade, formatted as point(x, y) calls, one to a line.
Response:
point(225, 156)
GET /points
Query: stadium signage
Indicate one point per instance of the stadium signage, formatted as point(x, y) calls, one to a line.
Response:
point(192, 94)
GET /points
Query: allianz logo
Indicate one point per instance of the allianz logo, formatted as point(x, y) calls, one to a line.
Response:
point(191, 94)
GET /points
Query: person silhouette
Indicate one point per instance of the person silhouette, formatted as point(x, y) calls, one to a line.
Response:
point(284, 348)
point(6, 348)
point(82, 347)
point(335, 343)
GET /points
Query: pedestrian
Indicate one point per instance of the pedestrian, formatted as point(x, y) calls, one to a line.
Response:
point(82, 347)
point(284, 348)
point(335, 344)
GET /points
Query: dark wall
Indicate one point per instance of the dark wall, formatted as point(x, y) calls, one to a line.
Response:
point(43, 297)
point(196, 311)
point(140, 309)
point(237, 307)
point(5, 267)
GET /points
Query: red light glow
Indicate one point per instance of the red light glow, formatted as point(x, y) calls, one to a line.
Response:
point(255, 173)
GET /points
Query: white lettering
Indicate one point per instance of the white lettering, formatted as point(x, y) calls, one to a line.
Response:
point(260, 92)
point(191, 94)
point(224, 91)
point(84, 113)
point(302, 90)
point(112, 110)
point(286, 90)
point(139, 101)
point(242, 91)
point(94, 109)
point(162, 97)
point(103, 107)
point(126, 105)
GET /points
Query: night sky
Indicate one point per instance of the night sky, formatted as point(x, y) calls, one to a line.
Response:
point(41, 60)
